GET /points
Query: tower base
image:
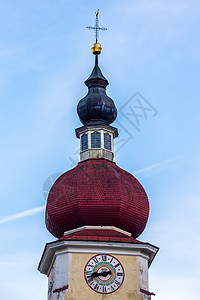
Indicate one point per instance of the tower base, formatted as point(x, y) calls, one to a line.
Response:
point(65, 260)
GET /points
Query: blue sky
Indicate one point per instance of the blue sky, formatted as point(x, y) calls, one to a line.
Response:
point(150, 47)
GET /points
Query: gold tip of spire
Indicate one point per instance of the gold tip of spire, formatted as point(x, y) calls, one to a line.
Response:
point(96, 48)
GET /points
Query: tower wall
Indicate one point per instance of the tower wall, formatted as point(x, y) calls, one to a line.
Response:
point(136, 274)
point(67, 262)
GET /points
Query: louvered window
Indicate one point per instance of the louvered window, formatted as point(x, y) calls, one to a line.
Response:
point(107, 141)
point(84, 142)
point(95, 140)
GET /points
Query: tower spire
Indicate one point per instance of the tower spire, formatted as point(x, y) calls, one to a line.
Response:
point(96, 111)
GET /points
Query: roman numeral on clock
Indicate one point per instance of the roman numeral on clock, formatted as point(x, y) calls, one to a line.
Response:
point(90, 280)
point(88, 272)
point(117, 282)
point(96, 287)
point(119, 274)
point(111, 260)
point(104, 289)
point(104, 257)
point(95, 260)
point(117, 265)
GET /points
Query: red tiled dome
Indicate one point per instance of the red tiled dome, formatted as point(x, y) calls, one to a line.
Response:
point(97, 193)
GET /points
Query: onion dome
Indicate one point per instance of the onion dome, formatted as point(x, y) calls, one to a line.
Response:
point(96, 107)
point(97, 193)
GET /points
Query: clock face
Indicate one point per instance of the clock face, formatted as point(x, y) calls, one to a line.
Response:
point(104, 273)
point(51, 285)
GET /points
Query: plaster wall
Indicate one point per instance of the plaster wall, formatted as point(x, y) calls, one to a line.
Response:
point(60, 267)
point(143, 265)
point(69, 268)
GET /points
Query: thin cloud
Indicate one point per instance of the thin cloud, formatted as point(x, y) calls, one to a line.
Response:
point(160, 167)
point(22, 214)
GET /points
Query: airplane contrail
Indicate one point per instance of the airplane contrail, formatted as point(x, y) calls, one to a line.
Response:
point(22, 214)
point(159, 167)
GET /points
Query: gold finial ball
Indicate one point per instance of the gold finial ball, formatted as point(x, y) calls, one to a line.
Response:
point(96, 48)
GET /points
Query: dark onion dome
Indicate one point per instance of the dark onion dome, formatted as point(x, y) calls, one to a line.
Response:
point(96, 107)
point(97, 193)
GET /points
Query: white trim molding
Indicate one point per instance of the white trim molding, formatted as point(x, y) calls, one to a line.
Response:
point(52, 249)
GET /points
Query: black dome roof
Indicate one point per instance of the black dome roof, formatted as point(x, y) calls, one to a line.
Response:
point(96, 107)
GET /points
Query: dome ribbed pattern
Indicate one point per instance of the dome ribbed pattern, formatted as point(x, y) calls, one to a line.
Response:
point(97, 193)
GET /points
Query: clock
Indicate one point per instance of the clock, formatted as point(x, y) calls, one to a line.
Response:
point(51, 285)
point(104, 273)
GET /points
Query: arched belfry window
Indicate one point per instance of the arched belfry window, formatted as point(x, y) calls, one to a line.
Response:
point(84, 142)
point(107, 141)
point(95, 139)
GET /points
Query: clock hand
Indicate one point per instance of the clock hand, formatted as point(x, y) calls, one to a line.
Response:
point(105, 273)
point(95, 274)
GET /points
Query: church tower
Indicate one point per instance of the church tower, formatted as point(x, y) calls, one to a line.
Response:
point(97, 211)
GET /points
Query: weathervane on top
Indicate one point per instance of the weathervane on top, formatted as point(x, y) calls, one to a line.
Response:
point(96, 47)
